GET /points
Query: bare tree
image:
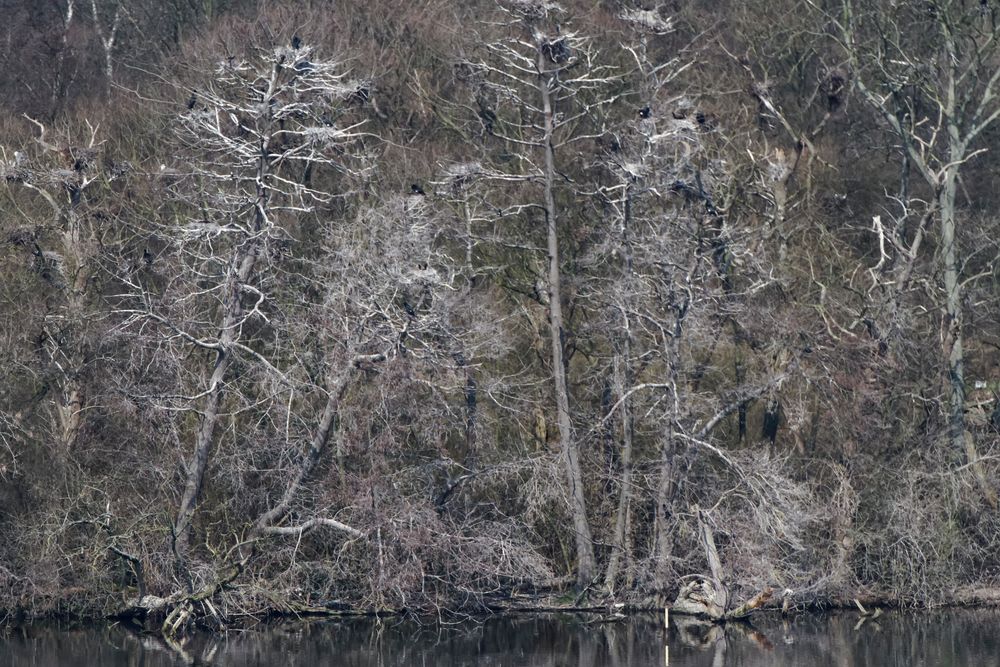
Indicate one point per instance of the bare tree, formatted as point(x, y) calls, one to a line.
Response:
point(107, 34)
point(632, 165)
point(386, 292)
point(65, 252)
point(254, 132)
point(60, 84)
point(548, 81)
point(932, 74)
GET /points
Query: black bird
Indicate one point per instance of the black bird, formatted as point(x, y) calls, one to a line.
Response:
point(304, 67)
point(296, 42)
point(415, 189)
point(192, 101)
point(488, 117)
point(557, 50)
point(147, 256)
point(772, 418)
point(645, 112)
point(409, 310)
point(359, 96)
point(834, 88)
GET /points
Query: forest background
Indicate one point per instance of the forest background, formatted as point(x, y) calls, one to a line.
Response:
point(432, 304)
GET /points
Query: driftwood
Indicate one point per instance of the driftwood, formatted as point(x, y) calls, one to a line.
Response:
point(866, 615)
point(709, 598)
point(864, 612)
point(750, 605)
point(177, 609)
point(699, 598)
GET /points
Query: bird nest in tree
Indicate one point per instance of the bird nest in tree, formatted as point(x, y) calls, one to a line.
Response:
point(533, 9)
point(648, 20)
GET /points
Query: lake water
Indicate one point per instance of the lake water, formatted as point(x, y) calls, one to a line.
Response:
point(949, 637)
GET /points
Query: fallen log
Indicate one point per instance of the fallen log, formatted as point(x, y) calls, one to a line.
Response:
point(750, 605)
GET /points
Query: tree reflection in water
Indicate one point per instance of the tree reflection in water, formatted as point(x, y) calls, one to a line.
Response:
point(960, 637)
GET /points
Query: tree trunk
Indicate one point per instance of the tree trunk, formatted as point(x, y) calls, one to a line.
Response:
point(471, 387)
point(569, 448)
point(107, 43)
point(233, 315)
point(316, 447)
point(622, 366)
point(213, 399)
point(714, 562)
point(618, 550)
point(471, 403)
point(59, 85)
point(663, 538)
point(78, 256)
point(960, 440)
point(667, 487)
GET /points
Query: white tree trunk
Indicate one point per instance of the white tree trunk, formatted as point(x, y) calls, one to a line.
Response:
point(586, 563)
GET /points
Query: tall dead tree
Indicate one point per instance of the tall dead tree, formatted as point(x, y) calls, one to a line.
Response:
point(632, 168)
point(535, 90)
point(932, 73)
point(65, 250)
point(255, 129)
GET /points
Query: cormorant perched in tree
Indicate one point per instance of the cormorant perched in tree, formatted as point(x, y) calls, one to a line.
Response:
point(487, 116)
point(409, 310)
point(772, 417)
point(296, 42)
point(834, 88)
point(556, 49)
point(147, 256)
point(193, 100)
point(645, 112)
point(304, 67)
point(360, 96)
point(415, 189)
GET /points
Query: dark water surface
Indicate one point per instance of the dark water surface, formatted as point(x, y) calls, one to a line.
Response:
point(952, 637)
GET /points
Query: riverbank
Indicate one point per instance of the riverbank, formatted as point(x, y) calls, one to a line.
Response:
point(150, 614)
